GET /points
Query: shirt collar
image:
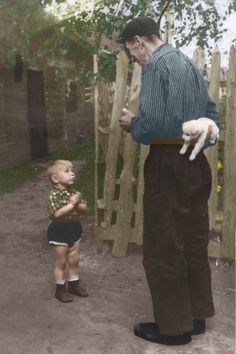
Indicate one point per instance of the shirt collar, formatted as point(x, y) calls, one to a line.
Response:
point(63, 191)
point(159, 48)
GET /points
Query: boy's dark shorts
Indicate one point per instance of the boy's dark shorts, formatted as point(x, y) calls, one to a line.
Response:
point(64, 233)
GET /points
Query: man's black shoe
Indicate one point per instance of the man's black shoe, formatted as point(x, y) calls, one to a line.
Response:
point(149, 331)
point(199, 326)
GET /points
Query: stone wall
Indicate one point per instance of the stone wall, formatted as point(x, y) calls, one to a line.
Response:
point(14, 134)
point(63, 128)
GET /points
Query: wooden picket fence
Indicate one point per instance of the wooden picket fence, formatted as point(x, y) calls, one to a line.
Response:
point(119, 161)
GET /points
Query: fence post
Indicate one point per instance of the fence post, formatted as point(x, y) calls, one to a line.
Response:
point(229, 196)
point(114, 136)
point(199, 58)
point(212, 153)
point(126, 200)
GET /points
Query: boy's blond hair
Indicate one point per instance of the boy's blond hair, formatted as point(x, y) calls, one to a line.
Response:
point(54, 166)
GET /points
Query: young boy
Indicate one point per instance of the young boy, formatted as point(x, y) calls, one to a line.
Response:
point(64, 232)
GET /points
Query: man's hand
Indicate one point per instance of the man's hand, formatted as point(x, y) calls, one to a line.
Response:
point(125, 120)
point(194, 140)
point(209, 131)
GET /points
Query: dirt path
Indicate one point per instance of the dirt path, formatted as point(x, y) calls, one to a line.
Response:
point(32, 321)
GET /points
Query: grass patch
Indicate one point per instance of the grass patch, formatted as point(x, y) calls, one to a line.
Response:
point(12, 178)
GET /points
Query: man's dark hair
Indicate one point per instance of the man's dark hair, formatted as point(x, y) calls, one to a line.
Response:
point(139, 26)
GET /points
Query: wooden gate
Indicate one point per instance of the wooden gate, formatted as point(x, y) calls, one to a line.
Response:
point(119, 161)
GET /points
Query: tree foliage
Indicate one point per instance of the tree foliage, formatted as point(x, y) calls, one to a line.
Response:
point(38, 35)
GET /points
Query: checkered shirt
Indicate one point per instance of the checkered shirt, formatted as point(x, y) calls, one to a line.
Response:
point(57, 199)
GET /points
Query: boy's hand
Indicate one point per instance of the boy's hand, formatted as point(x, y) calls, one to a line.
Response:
point(74, 199)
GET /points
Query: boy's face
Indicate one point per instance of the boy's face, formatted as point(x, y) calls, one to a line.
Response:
point(64, 176)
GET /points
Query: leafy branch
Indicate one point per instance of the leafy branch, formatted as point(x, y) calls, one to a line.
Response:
point(39, 36)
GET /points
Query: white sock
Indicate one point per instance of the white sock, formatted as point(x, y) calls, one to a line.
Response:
point(60, 282)
point(73, 278)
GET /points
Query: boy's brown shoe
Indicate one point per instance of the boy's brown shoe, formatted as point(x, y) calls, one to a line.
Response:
point(74, 288)
point(62, 294)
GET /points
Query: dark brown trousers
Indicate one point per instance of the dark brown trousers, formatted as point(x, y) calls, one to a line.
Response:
point(175, 241)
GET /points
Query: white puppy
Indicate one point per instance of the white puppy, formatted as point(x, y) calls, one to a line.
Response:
point(198, 128)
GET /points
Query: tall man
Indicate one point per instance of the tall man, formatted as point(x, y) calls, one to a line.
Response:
point(176, 192)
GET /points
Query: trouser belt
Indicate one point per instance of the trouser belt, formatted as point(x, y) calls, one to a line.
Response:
point(167, 142)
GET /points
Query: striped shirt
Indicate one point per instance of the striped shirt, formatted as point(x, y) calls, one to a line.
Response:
point(173, 91)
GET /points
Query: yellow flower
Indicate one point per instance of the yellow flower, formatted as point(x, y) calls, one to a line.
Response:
point(219, 165)
point(218, 188)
